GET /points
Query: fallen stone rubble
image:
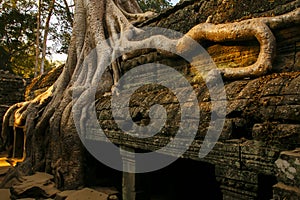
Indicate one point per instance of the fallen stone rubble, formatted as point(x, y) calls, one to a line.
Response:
point(41, 186)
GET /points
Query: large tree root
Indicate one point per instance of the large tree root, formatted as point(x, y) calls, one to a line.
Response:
point(17, 114)
point(51, 139)
point(245, 30)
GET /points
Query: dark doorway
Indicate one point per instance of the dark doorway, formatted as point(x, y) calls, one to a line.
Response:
point(98, 174)
point(265, 186)
point(184, 179)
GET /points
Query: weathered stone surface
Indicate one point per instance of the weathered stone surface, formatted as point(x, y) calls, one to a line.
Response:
point(13, 88)
point(189, 13)
point(5, 194)
point(41, 83)
point(262, 114)
point(64, 194)
point(253, 102)
point(288, 176)
point(235, 54)
point(282, 191)
point(285, 135)
point(87, 193)
point(288, 166)
point(12, 91)
point(241, 182)
point(107, 193)
point(39, 185)
point(106, 190)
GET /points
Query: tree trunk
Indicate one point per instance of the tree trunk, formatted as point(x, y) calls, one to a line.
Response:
point(45, 38)
point(69, 14)
point(37, 50)
point(47, 120)
point(52, 142)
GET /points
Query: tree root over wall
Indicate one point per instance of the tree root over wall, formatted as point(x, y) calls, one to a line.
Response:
point(47, 120)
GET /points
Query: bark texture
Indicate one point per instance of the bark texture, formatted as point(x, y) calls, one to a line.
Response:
point(52, 142)
point(46, 119)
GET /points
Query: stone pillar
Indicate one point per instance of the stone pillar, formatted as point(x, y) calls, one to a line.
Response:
point(288, 176)
point(11, 91)
point(236, 183)
point(133, 184)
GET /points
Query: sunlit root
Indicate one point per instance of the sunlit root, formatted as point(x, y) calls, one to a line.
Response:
point(16, 115)
point(8, 121)
point(240, 31)
point(48, 120)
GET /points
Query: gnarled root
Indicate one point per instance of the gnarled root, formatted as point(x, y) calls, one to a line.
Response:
point(17, 117)
point(134, 16)
point(245, 30)
point(97, 23)
point(13, 175)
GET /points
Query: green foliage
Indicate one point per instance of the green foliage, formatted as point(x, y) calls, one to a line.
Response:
point(61, 27)
point(154, 5)
point(18, 22)
point(17, 37)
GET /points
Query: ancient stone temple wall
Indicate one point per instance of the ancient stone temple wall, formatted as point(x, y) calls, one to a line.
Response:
point(12, 90)
point(255, 156)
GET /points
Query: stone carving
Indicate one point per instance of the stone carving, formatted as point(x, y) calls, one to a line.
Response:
point(263, 109)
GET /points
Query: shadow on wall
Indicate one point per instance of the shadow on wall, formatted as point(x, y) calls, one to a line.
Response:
point(184, 179)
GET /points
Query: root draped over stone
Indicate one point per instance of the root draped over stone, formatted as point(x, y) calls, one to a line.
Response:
point(258, 28)
point(52, 143)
